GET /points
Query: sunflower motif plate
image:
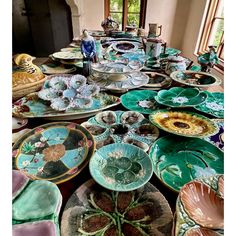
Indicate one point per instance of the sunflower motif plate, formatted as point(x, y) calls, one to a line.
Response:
point(200, 207)
point(184, 123)
point(141, 101)
point(196, 79)
point(136, 213)
point(213, 105)
point(180, 97)
point(178, 161)
point(122, 127)
point(31, 106)
point(121, 167)
point(55, 151)
point(157, 80)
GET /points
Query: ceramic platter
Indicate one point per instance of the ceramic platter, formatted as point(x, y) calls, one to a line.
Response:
point(157, 80)
point(213, 105)
point(51, 69)
point(181, 97)
point(129, 81)
point(141, 101)
point(125, 46)
point(218, 139)
point(56, 151)
point(178, 161)
point(18, 123)
point(196, 79)
point(31, 106)
point(68, 55)
point(121, 167)
point(115, 212)
point(122, 127)
point(200, 207)
point(184, 123)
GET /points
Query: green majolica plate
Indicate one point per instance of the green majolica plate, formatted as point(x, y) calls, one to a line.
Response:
point(184, 123)
point(31, 106)
point(55, 151)
point(141, 101)
point(180, 97)
point(172, 51)
point(178, 161)
point(121, 167)
point(213, 105)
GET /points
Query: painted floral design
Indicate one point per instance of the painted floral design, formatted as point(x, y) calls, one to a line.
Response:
point(54, 152)
point(214, 106)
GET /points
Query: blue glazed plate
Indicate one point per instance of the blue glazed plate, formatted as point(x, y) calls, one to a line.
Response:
point(121, 167)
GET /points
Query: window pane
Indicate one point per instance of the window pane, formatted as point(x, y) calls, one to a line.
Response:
point(117, 17)
point(134, 5)
point(116, 5)
point(222, 54)
point(217, 32)
point(133, 19)
point(220, 9)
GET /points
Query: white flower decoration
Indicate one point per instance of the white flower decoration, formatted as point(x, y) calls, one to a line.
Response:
point(180, 100)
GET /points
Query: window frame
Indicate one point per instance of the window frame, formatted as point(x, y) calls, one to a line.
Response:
point(206, 33)
point(142, 13)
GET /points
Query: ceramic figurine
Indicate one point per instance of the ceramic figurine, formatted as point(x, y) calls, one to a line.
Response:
point(175, 63)
point(109, 25)
point(88, 49)
point(208, 59)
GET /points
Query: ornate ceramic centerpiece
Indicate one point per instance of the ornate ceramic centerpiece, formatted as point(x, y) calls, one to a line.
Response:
point(109, 25)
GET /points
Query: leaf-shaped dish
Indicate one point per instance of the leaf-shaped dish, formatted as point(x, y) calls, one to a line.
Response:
point(213, 105)
point(180, 97)
point(121, 167)
point(178, 161)
point(56, 151)
point(141, 212)
point(122, 127)
point(32, 106)
point(184, 123)
point(141, 101)
point(196, 79)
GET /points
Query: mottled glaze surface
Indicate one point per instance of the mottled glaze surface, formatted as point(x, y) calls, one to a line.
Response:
point(118, 207)
point(177, 161)
point(121, 167)
point(19, 181)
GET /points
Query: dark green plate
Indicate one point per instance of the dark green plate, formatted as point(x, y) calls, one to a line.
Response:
point(178, 161)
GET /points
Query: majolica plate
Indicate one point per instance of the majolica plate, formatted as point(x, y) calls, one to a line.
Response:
point(93, 210)
point(125, 46)
point(32, 106)
point(141, 101)
point(68, 55)
point(213, 105)
point(121, 167)
point(196, 79)
point(130, 81)
point(55, 151)
point(157, 80)
point(171, 51)
point(200, 207)
point(218, 139)
point(122, 127)
point(184, 123)
point(52, 69)
point(177, 161)
point(135, 56)
point(180, 97)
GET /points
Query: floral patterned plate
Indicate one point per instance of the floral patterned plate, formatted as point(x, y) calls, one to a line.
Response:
point(122, 127)
point(200, 207)
point(136, 213)
point(32, 106)
point(213, 105)
point(56, 151)
point(180, 97)
point(141, 101)
point(121, 167)
point(184, 123)
point(177, 161)
point(196, 79)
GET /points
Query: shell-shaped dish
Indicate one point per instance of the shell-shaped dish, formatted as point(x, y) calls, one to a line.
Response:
point(48, 94)
point(203, 205)
point(131, 117)
point(147, 131)
point(77, 81)
point(81, 103)
point(57, 83)
point(106, 117)
point(88, 90)
point(93, 129)
point(60, 104)
point(137, 143)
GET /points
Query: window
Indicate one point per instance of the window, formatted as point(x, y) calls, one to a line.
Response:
point(127, 12)
point(213, 31)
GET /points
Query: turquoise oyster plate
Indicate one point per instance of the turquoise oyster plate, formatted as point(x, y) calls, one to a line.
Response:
point(180, 97)
point(91, 202)
point(121, 167)
point(213, 105)
point(122, 127)
point(142, 101)
point(31, 106)
point(178, 161)
point(55, 151)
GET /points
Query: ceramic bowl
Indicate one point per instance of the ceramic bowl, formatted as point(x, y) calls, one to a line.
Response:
point(180, 97)
point(121, 167)
point(125, 46)
point(157, 80)
point(184, 123)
